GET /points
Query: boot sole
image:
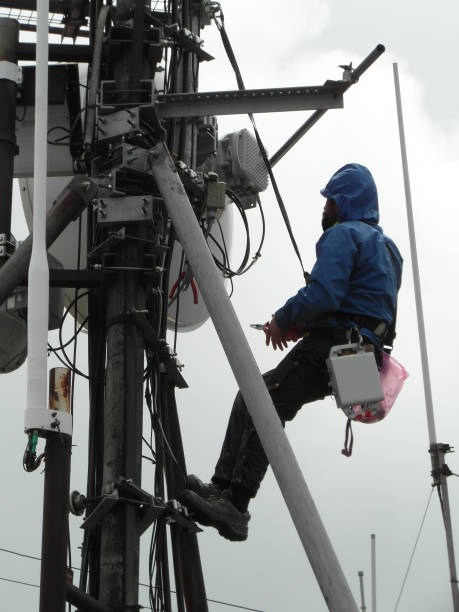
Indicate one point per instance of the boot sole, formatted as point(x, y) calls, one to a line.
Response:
point(204, 515)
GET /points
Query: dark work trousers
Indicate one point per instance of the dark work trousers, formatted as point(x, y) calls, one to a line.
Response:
point(301, 377)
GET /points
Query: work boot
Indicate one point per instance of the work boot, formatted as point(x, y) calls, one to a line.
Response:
point(218, 512)
point(204, 490)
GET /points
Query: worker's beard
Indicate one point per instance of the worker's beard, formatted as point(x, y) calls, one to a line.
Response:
point(328, 220)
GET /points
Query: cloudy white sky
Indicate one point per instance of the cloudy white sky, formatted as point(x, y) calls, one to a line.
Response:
point(383, 488)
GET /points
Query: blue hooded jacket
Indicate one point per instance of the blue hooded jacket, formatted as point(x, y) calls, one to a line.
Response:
point(354, 272)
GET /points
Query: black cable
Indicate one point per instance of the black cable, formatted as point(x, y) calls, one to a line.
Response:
point(161, 434)
point(67, 363)
point(20, 582)
point(59, 142)
point(257, 255)
point(177, 297)
point(225, 268)
point(80, 328)
point(226, 255)
point(142, 584)
point(220, 22)
point(75, 334)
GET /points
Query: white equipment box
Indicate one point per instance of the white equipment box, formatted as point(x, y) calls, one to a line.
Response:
point(354, 375)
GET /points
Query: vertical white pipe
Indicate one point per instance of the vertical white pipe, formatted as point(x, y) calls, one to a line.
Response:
point(302, 508)
point(415, 265)
point(38, 284)
point(373, 572)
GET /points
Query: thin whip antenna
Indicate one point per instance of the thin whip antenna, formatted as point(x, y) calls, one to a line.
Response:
point(38, 284)
point(415, 265)
point(437, 451)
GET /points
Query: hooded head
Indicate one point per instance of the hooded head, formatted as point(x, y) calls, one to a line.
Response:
point(353, 189)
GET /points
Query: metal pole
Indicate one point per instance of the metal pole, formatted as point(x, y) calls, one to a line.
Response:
point(449, 541)
point(53, 578)
point(304, 513)
point(123, 408)
point(423, 342)
point(314, 118)
point(440, 472)
point(373, 572)
point(9, 37)
point(119, 549)
point(362, 592)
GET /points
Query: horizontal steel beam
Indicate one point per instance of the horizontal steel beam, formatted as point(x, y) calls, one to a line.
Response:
point(55, 6)
point(251, 101)
point(57, 53)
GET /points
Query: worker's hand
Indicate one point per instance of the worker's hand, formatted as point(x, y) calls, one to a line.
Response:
point(275, 335)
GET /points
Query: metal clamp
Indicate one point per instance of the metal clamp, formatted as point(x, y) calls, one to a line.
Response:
point(10, 72)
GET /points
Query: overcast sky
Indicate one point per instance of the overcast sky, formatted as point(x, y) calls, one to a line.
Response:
point(383, 488)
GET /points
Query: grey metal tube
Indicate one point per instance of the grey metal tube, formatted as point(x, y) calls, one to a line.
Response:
point(85, 602)
point(305, 515)
point(362, 592)
point(314, 118)
point(68, 206)
point(94, 79)
point(450, 542)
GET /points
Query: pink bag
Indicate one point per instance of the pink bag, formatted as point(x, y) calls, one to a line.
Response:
point(392, 375)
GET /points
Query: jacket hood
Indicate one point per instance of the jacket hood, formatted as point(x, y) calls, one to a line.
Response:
point(353, 189)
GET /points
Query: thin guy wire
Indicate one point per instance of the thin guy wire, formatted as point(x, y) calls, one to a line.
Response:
point(414, 550)
point(12, 552)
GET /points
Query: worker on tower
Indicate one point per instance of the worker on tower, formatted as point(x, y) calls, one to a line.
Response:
point(354, 284)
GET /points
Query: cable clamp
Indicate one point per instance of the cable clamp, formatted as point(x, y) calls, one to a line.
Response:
point(10, 71)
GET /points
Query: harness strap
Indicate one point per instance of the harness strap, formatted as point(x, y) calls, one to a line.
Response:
point(391, 332)
point(348, 440)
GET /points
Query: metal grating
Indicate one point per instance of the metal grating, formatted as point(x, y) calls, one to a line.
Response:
point(28, 20)
point(29, 17)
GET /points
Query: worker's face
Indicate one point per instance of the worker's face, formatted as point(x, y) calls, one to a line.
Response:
point(330, 215)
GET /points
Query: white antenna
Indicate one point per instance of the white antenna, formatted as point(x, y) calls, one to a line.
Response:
point(37, 415)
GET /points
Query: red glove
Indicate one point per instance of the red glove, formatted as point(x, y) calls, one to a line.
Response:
point(279, 337)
